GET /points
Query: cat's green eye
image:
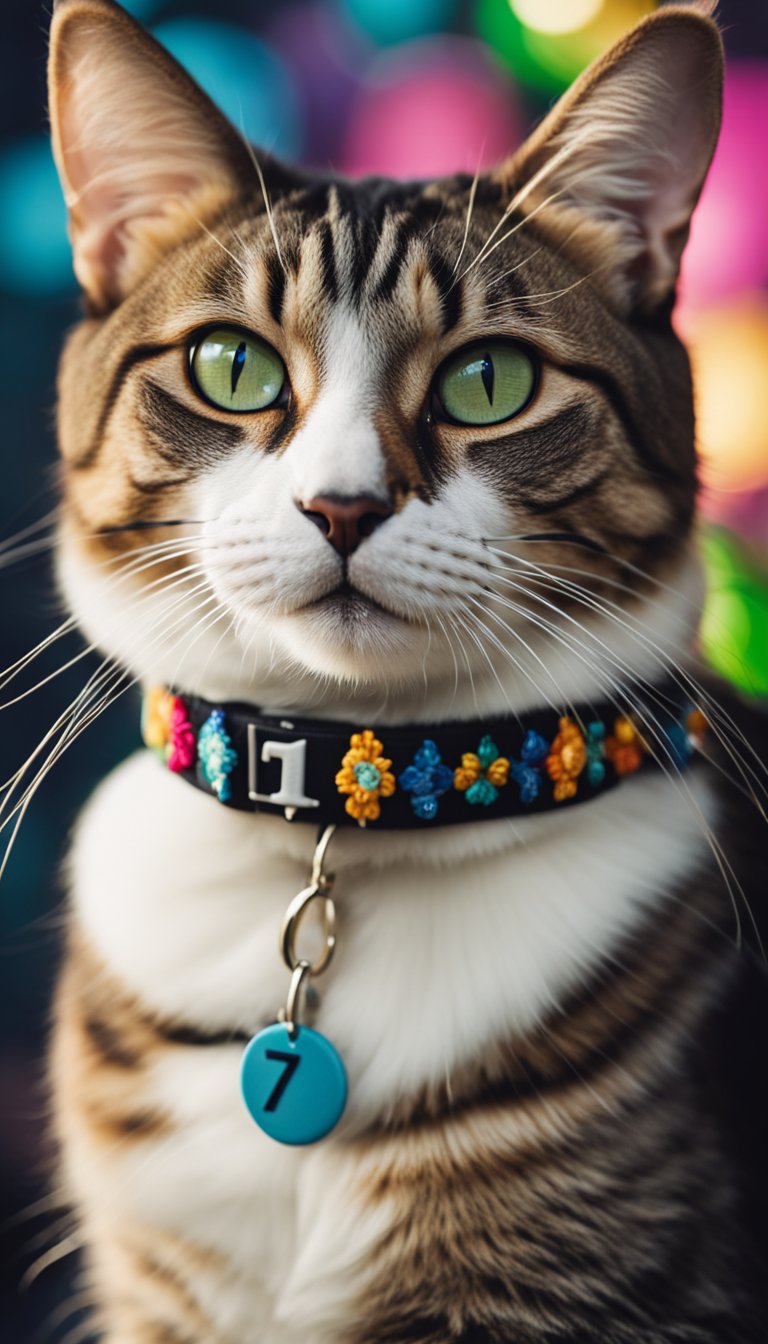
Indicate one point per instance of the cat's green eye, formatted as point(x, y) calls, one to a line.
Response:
point(237, 372)
point(486, 383)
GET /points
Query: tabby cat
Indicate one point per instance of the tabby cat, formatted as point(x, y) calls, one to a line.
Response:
point(380, 454)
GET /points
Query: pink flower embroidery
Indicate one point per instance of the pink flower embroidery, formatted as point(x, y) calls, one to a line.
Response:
point(182, 746)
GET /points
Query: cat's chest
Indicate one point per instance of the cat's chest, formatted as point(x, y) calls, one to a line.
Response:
point(438, 955)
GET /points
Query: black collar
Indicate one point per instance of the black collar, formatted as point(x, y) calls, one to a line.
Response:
point(419, 775)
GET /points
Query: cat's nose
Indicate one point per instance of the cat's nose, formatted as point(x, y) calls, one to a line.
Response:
point(346, 520)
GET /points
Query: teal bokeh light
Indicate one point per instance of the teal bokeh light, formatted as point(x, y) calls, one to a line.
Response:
point(389, 21)
point(142, 9)
point(243, 76)
point(34, 249)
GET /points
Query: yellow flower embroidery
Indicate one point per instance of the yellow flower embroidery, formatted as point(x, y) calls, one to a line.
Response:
point(156, 718)
point(566, 760)
point(365, 776)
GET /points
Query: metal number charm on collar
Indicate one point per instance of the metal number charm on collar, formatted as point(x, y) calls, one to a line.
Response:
point(293, 1080)
point(293, 759)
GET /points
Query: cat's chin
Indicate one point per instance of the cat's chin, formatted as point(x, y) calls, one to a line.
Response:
point(348, 635)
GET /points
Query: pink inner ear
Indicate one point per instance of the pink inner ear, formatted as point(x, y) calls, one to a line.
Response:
point(631, 152)
point(136, 142)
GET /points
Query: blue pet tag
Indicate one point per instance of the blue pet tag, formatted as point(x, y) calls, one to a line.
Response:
point(295, 1089)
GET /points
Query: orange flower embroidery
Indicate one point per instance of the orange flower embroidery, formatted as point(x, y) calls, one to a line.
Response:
point(156, 718)
point(626, 748)
point(566, 760)
point(365, 776)
point(696, 725)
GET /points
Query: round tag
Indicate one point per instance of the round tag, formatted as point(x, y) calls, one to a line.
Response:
point(295, 1090)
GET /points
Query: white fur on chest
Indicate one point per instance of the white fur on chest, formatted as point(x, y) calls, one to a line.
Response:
point(470, 932)
point(446, 942)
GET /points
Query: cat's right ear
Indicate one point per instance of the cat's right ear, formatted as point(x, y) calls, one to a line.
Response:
point(143, 155)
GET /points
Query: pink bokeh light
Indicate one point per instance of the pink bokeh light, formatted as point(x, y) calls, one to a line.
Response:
point(728, 248)
point(431, 108)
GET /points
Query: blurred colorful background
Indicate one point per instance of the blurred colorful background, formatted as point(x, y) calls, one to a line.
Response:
point(409, 88)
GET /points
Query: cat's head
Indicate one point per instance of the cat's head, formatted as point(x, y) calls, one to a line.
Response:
point(427, 445)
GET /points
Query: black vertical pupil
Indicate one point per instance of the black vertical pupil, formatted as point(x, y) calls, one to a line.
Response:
point(238, 364)
point(487, 373)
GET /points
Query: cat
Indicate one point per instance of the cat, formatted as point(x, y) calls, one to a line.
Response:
point(394, 454)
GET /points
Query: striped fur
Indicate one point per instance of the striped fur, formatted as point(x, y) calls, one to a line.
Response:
point(537, 1147)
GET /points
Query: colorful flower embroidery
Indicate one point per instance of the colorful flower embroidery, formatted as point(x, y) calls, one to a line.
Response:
point(686, 737)
point(426, 779)
point(696, 725)
point(365, 776)
point(625, 749)
point(566, 760)
point(595, 750)
point(527, 771)
point(216, 755)
point(479, 777)
point(181, 745)
point(156, 719)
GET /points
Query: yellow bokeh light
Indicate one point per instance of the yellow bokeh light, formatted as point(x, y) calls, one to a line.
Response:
point(556, 16)
point(729, 354)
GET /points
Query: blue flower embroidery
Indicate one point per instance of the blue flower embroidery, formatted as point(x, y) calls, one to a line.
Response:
point(527, 771)
point(216, 756)
point(426, 779)
point(679, 745)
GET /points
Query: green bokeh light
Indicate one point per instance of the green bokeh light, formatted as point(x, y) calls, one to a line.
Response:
point(545, 61)
point(734, 631)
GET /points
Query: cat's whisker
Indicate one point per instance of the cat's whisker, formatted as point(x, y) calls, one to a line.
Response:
point(436, 616)
point(547, 570)
point(468, 220)
point(555, 703)
point(178, 576)
point(467, 627)
point(71, 1306)
point(267, 203)
point(67, 1246)
point(27, 551)
point(132, 567)
point(49, 520)
point(683, 677)
point(70, 715)
point(641, 712)
point(489, 245)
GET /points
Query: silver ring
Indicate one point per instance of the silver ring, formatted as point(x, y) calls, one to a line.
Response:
point(290, 927)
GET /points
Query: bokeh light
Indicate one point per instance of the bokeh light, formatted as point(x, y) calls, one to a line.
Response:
point(327, 59)
point(389, 21)
point(728, 247)
point(556, 16)
point(729, 355)
point(432, 108)
point(549, 59)
point(35, 256)
point(143, 10)
point(247, 80)
point(734, 631)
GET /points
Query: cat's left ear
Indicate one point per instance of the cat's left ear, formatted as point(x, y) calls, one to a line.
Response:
point(614, 171)
point(144, 156)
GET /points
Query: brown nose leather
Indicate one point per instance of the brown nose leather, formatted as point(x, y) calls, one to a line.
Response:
point(346, 521)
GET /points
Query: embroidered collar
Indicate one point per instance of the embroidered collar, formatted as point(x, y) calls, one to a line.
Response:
point(441, 774)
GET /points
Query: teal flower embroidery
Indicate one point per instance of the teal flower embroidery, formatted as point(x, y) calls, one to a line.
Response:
point(595, 749)
point(481, 775)
point(216, 756)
